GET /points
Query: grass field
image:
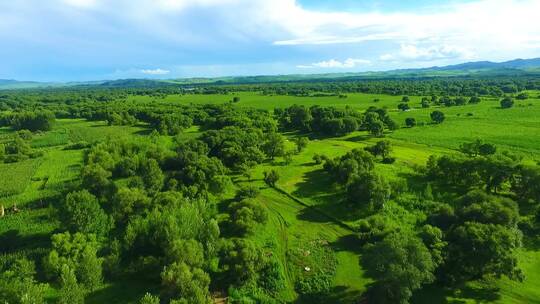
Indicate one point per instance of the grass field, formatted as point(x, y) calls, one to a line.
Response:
point(309, 209)
point(513, 129)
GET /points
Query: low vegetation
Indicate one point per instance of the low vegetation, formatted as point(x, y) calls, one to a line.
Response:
point(379, 192)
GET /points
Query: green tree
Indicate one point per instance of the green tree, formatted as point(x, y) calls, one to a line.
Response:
point(78, 252)
point(271, 177)
point(382, 148)
point(474, 100)
point(241, 260)
point(83, 213)
point(369, 188)
point(433, 238)
point(246, 214)
point(437, 117)
point(477, 147)
point(478, 206)
point(18, 284)
point(522, 96)
point(149, 299)
point(127, 202)
point(410, 122)
point(404, 107)
point(477, 249)
point(152, 175)
point(350, 124)
point(274, 145)
point(288, 157)
point(18, 146)
point(301, 144)
point(96, 180)
point(247, 191)
point(376, 128)
point(507, 103)
point(70, 291)
point(401, 263)
point(189, 285)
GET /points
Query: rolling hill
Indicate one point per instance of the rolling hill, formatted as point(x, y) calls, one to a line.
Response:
point(516, 67)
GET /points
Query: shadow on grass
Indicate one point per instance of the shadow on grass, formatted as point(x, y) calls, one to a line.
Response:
point(338, 294)
point(335, 208)
point(314, 183)
point(359, 138)
point(349, 242)
point(125, 291)
point(531, 242)
point(144, 132)
point(320, 187)
point(13, 241)
point(435, 294)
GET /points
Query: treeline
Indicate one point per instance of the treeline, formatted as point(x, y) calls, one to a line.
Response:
point(334, 122)
point(467, 87)
point(456, 86)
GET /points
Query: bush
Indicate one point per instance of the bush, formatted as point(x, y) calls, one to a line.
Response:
point(437, 117)
point(410, 122)
point(507, 103)
point(77, 145)
point(389, 160)
point(248, 191)
point(13, 158)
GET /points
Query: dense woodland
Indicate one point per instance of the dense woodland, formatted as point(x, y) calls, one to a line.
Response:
point(182, 217)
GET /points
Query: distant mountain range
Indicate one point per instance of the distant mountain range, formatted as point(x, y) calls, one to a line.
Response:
point(517, 67)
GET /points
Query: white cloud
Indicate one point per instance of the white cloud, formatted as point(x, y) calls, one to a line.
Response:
point(156, 72)
point(81, 3)
point(387, 57)
point(126, 33)
point(428, 52)
point(335, 64)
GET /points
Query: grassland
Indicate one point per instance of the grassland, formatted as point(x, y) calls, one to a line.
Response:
point(309, 208)
point(513, 129)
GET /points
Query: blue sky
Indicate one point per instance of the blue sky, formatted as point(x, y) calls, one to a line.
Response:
point(79, 40)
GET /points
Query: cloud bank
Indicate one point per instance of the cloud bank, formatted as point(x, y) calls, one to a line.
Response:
point(156, 72)
point(335, 64)
point(95, 37)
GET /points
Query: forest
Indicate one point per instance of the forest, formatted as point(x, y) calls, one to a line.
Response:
point(349, 191)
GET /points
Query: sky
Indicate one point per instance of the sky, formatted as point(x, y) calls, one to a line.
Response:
point(83, 40)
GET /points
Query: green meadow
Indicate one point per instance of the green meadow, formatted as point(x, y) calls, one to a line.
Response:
point(308, 226)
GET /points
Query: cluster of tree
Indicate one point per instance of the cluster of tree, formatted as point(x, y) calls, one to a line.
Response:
point(18, 284)
point(375, 121)
point(170, 124)
point(18, 148)
point(492, 171)
point(317, 119)
point(383, 149)
point(440, 86)
point(475, 236)
point(30, 120)
point(457, 101)
point(355, 172)
point(120, 119)
point(146, 210)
